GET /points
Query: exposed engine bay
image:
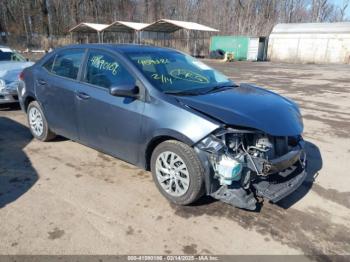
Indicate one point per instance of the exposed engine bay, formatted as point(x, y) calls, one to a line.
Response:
point(247, 164)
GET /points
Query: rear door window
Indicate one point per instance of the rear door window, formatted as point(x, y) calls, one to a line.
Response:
point(67, 63)
point(104, 70)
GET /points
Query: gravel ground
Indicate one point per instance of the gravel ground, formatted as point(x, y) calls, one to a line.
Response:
point(64, 198)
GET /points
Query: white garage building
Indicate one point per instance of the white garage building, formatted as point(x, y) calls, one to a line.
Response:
point(320, 43)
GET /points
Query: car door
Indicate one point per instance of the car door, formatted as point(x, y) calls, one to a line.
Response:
point(109, 123)
point(56, 85)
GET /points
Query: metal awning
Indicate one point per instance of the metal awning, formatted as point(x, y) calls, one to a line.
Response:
point(88, 28)
point(170, 26)
point(122, 26)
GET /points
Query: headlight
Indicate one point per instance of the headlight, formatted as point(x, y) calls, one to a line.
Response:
point(13, 85)
point(2, 84)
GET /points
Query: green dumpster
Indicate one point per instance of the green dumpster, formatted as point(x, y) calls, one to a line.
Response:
point(236, 44)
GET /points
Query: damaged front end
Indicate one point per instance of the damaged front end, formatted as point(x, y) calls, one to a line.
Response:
point(243, 164)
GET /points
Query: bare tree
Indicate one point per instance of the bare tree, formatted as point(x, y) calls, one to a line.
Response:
point(29, 18)
point(343, 8)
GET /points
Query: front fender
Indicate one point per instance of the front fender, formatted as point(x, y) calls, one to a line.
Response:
point(164, 119)
point(166, 132)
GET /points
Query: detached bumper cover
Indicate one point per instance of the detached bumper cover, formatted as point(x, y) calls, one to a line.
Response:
point(277, 186)
point(285, 161)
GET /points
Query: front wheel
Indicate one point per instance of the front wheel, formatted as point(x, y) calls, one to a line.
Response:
point(37, 123)
point(177, 172)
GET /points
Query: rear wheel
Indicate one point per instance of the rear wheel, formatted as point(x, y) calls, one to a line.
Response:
point(37, 123)
point(177, 172)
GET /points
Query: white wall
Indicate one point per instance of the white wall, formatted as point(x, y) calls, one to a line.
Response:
point(253, 49)
point(310, 48)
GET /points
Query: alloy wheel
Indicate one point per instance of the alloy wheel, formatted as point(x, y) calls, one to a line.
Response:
point(172, 173)
point(36, 121)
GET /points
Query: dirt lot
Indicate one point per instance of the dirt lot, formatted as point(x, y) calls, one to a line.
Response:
point(64, 198)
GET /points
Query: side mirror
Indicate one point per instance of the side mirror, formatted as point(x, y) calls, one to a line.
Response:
point(124, 91)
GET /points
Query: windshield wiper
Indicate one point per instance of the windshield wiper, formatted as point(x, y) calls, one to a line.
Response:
point(183, 93)
point(197, 92)
point(219, 88)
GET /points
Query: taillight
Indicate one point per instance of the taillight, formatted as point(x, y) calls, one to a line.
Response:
point(21, 76)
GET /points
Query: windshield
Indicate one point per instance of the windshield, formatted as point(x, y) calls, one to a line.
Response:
point(174, 72)
point(11, 56)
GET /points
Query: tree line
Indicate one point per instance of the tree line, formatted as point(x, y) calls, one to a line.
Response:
point(32, 18)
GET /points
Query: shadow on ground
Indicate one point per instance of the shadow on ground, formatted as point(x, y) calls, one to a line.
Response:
point(17, 175)
point(10, 107)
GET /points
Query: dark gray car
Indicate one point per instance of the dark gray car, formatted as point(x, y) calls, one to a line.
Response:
point(197, 131)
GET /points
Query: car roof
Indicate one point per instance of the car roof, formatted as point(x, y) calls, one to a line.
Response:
point(5, 47)
point(121, 48)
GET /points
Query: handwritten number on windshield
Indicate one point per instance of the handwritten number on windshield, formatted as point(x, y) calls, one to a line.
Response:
point(153, 61)
point(164, 79)
point(188, 75)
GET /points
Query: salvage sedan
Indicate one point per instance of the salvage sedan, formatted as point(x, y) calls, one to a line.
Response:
point(162, 110)
point(11, 65)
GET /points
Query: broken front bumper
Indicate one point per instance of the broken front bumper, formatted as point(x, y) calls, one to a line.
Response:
point(285, 174)
point(277, 186)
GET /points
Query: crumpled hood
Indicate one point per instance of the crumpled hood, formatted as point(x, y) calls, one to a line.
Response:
point(10, 70)
point(250, 106)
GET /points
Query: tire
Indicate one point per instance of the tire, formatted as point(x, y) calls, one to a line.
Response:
point(40, 129)
point(221, 53)
point(192, 173)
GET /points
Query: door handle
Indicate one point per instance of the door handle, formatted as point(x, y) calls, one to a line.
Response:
point(41, 82)
point(82, 95)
